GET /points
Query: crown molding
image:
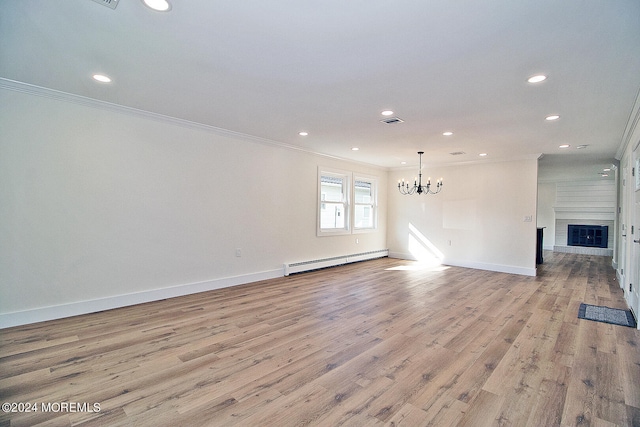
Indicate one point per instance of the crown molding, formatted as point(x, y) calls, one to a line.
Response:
point(30, 89)
point(632, 124)
point(479, 161)
point(57, 95)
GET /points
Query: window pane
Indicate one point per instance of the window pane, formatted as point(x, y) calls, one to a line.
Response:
point(331, 189)
point(363, 192)
point(332, 215)
point(334, 207)
point(364, 219)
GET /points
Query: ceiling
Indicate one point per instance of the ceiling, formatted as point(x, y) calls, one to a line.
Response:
point(273, 69)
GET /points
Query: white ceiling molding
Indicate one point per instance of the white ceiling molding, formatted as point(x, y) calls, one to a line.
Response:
point(632, 125)
point(57, 95)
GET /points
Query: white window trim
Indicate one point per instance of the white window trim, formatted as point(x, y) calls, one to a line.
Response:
point(374, 203)
point(323, 171)
point(348, 202)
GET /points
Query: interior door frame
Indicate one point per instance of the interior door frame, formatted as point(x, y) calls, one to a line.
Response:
point(632, 284)
point(623, 221)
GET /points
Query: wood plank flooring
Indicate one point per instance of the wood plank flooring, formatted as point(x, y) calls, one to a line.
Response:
point(379, 343)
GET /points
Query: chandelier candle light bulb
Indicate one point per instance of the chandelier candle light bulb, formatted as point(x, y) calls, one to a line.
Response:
point(405, 189)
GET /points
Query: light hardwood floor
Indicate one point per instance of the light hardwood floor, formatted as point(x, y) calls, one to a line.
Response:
point(373, 343)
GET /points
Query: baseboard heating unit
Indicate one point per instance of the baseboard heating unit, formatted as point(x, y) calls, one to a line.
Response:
point(299, 267)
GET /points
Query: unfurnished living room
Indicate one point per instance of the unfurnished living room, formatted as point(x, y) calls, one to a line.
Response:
point(327, 214)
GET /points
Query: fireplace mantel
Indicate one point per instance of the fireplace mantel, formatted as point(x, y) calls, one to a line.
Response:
point(585, 213)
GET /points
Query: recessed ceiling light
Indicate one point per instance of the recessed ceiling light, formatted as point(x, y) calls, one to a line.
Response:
point(303, 133)
point(101, 78)
point(537, 78)
point(387, 113)
point(403, 163)
point(483, 154)
point(580, 147)
point(564, 146)
point(159, 5)
point(447, 133)
point(604, 174)
point(355, 149)
point(552, 117)
point(606, 170)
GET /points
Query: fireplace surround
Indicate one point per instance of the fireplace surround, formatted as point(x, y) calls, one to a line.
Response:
point(562, 238)
point(586, 203)
point(590, 236)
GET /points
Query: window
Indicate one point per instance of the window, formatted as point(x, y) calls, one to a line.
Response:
point(343, 209)
point(333, 212)
point(364, 190)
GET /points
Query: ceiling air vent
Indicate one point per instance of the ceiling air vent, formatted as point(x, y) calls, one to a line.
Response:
point(457, 153)
point(109, 3)
point(391, 120)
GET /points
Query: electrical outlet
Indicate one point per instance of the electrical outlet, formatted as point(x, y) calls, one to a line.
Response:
point(528, 218)
point(238, 252)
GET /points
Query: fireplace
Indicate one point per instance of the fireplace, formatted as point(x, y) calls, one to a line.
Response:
point(591, 236)
point(585, 203)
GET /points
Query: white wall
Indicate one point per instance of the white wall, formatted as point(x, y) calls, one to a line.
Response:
point(476, 221)
point(101, 207)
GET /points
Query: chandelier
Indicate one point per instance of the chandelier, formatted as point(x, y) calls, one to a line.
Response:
point(417, 187)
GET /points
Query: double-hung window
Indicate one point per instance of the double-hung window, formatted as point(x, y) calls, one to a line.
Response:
point(347, 202)
point(365, 203)
point(333, 213)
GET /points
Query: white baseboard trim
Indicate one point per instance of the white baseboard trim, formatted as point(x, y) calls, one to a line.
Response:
point(523, 271)
point(511, 269)
point(620, 279)
point(43, 314)
point(403, 255)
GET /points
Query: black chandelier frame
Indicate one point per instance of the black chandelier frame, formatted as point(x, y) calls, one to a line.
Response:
point(417, 188)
